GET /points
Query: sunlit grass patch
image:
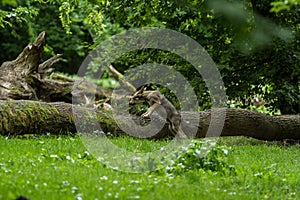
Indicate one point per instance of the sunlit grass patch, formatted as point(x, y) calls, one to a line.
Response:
point(52, 167)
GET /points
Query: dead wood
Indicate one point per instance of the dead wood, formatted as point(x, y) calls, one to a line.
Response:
point(27, 84)
point(27, 78)
point(33, 117)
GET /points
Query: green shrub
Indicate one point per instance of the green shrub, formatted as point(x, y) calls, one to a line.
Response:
point(202, 155)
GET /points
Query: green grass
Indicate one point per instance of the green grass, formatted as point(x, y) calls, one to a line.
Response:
point(61, 168)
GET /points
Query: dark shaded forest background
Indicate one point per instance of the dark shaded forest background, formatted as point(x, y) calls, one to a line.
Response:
point(254, 43)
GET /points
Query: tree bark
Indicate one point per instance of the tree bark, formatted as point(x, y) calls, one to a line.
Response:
point(32, 117)
point(27, 78)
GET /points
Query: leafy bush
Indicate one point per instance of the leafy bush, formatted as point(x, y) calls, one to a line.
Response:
point(254, 43)
point(202, 155)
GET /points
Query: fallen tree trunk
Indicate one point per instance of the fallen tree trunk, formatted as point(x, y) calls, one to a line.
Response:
point(28, 79)
point(32, 117)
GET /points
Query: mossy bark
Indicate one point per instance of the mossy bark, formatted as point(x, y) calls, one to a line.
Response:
point(32, 117)
point(241, 122)
point(27, 117)
point(27, 79)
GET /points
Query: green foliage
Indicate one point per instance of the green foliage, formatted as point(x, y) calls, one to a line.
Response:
point(254, 43)
point(36, 16)
point(8, 2)
point(279, 6)
point(17, 15)
point(203, 155)
point(266, 62)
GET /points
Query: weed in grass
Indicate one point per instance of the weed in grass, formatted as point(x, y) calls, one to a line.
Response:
point(204, 155)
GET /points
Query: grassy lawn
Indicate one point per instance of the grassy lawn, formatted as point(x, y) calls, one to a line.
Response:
point(51, 167)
